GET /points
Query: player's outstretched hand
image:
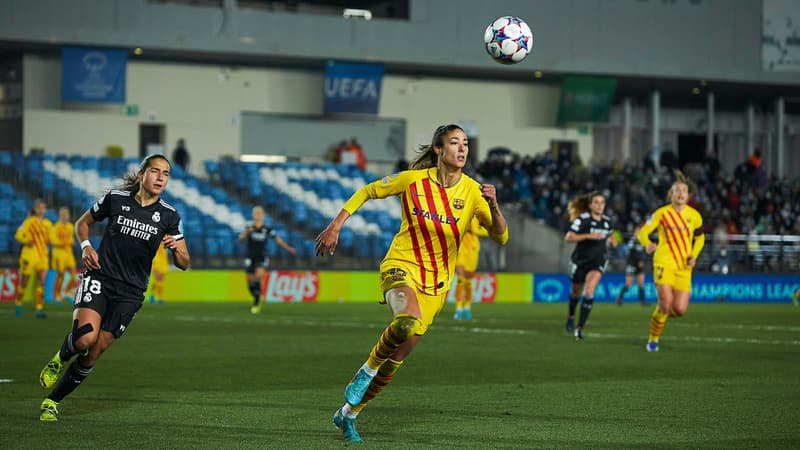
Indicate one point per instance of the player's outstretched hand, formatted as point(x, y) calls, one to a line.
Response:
point(326, 241)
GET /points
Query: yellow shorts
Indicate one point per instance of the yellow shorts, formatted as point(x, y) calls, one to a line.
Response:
point(468, 259)
point(63, 261)
point(680, 279)
point(30, 266)
point(429, 305)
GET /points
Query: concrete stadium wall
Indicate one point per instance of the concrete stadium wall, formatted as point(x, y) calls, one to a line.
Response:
point(202, 103)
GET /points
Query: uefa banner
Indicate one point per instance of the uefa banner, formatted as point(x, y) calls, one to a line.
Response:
point(93, 75)
point(706, 288)
point(352, 88)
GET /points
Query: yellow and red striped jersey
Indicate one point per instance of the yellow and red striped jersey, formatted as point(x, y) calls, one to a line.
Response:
point(470, 242)
point(434, 222)
point(34, 235)
point(62, 236)
point(680, 235)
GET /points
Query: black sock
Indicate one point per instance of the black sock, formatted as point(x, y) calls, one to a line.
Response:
point(586, 308)
point(255, 291)
point(622, 292)
point(76, 373)
point(641, 294)
point(573, 303)
point(67, 349)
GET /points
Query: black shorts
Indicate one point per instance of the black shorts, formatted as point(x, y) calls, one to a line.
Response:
point(578, 272)
point(252, 264)
point(115, 301)
point(633, 270)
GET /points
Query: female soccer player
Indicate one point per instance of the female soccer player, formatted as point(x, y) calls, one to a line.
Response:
point(34, 259)
point(591, 230)
point(155, 289)
point(466, 264)
point(62, 239)
point(438, 202)
point(634, 267)
point(257, 260)
point(112, 288)
point(680, 241)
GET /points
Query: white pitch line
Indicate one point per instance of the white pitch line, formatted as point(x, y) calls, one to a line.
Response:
point(6, 380)
point(481, 330)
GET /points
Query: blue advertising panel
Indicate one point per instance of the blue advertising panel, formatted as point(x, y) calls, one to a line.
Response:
point(93, 75)
point(705, 288)
point(353, 88)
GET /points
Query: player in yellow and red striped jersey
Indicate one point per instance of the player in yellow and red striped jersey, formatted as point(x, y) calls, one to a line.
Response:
point(34, 260)
point(62, 240)
point(438, 202)
point(680, 241)
point(466, 265)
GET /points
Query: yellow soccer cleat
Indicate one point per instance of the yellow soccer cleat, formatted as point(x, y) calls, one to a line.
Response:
point(51, 372)
point(49, 411)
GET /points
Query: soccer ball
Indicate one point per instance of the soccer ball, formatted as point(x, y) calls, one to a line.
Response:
point(508, 39)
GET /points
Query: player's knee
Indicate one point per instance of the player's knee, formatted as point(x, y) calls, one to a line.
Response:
point(405, 326)
point(84, 336)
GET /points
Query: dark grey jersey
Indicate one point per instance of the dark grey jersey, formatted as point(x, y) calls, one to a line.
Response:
point(132, 235)
point(590, 250)
point(257, 241)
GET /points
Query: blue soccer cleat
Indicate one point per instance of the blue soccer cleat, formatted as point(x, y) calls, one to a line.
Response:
point(355, 390)
point(467, 315)
point(570, 324)
point(652, 346)
point(347, 425)
point(18, 310)
point(458, 315)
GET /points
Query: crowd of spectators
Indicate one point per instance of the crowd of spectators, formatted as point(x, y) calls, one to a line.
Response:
point(743, 202)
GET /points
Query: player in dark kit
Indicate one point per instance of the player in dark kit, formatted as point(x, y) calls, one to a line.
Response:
point(634, 267)
point(591, 230)
point(112, 288)
point(257, 260)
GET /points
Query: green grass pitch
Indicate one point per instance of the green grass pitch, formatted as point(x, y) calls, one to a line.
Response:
point(189, 375)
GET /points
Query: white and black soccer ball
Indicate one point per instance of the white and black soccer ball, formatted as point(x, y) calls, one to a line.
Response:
point(508, 39)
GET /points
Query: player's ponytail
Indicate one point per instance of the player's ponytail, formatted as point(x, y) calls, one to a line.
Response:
point(427, 155)
point(580, 204)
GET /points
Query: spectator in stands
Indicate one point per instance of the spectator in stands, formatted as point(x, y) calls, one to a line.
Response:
point(34, 259)
point(112, 288)
point(180, 156)
point(257, 262)
point(439, 201)
point(352, 153)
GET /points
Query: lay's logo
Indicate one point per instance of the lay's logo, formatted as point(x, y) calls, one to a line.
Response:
point(8, 284)
point(291, 286)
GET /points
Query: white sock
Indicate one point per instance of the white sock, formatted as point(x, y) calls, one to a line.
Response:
point(348, 412)
point(371, 372)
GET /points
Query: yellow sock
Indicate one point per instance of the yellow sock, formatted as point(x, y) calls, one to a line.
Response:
point(39, 298)
point(382, 378)
point(402, 327)
point(657, 322)
point(467, 293)
point(459, 293)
